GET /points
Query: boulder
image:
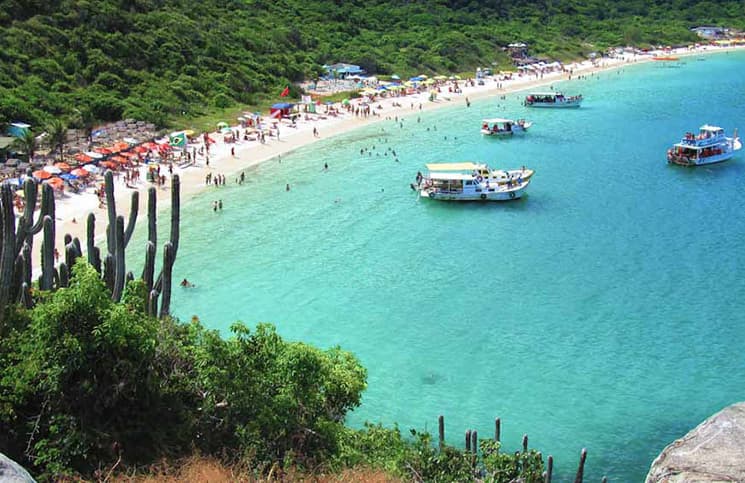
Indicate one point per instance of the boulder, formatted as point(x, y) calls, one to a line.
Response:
point(713, 451)
point(12, 472)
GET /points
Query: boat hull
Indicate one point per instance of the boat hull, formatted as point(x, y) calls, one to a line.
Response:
point(683, 161)
point(554, 105)
point(485, 194)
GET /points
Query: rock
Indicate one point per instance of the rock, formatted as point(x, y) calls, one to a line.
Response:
point(12, 472)
point(713, 451)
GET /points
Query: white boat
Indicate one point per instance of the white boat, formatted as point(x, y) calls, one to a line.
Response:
point(504, 127)
point(472, 182)
point(552, 99)
point(709, 146)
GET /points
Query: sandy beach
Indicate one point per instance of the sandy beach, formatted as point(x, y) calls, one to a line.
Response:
point(72, 209)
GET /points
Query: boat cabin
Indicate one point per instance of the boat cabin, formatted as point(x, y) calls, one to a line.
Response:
point(706, 135)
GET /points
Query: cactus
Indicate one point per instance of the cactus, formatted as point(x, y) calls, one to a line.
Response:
point(152, 230)
point(94, 253)
point(25, 296)
point(108, 271)
point(64, 275)
point(8, 255)
point(148, 270)
point(581, 468)
point(169, 256)
point(549, 469)
point(117, 242)
point(152, 303)
point(47, 255)
point(119, 265)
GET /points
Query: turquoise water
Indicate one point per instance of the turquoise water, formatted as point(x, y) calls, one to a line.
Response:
point(603, 311)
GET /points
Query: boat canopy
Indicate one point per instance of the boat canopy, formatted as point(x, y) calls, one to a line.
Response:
point(498, 120)
point(451, 176)
point(454, 166)
point(546, 94)
point(709, 128)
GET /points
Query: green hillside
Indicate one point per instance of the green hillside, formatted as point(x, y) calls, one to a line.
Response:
point(102, 60)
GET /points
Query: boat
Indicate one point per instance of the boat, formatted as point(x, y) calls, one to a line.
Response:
point(472, 182)
point(552, 99)
point(709, 146)
point(504, 127)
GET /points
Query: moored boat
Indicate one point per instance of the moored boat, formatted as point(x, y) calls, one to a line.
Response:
point(552, 99)
point(472, 182)
point(500, 127)
point(709, 146)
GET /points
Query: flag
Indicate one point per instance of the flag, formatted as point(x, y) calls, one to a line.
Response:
point(285, 92)
point(178, 139)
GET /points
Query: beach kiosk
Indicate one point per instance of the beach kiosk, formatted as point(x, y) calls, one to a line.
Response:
point(280, 110)
point(18, 129)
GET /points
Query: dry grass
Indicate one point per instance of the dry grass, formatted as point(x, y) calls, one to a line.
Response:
point(199, 469)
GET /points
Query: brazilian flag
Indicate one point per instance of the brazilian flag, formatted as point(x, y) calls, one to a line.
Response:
point(178, 140)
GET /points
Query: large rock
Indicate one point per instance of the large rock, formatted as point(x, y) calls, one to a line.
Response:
point(713, 451)
point(12, 472)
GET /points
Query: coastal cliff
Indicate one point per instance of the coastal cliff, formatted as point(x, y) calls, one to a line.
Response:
point(713, 451)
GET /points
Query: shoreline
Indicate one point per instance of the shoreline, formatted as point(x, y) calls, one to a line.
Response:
point(72, 209)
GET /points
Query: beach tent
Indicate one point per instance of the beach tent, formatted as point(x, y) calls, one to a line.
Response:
point(221, 125)
point(280, 109)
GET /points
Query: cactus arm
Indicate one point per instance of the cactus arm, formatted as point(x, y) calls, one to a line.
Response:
point(8, 255)
point(111, 208)
point(152, 230)
point(149, 269)
point(168, 259)
point(132, 217)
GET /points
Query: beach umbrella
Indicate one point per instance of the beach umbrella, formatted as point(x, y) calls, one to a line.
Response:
point(108, 164)
point(80, 172)
point(440, 77)
point(222, 124)
point(52, 169)
point(395, 77)
point(63, 166)
point(56, 183)
point(91, 168)
point(83, 158)
point(41, 174)
point(94, 155)
point(102, 150)
point(345, 102)
point(12, 162)
point(68, 176)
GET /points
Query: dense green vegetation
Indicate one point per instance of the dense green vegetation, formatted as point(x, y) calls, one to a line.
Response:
point(89, 384)
point(159, 60)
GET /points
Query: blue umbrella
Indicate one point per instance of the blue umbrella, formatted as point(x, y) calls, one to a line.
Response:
point(68, 176)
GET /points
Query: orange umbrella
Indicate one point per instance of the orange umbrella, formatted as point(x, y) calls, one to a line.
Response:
point(41, 174)
point(119, 159)
point(79, 172)
point(120, 146)
point(63, 166)
point(56, 183)
point(103, 150)
point(83, 158)
point(108, 164)
point(141, 149)
point(129, 154)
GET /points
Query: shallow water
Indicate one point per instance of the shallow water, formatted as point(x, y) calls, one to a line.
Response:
point(603, 311)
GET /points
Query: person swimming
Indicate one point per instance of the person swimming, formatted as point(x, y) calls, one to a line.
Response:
point(186, 283)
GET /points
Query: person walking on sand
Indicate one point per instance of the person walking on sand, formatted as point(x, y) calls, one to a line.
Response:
point(315, 132)
point(232, 151)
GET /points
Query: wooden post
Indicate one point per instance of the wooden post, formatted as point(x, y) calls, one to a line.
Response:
point(468, 441)
point(497, 429)
point(581, 469)
point(525, 443)
point(441, 428)
point(549, 469)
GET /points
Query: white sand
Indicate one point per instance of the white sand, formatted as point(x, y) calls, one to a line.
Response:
point(72, 209)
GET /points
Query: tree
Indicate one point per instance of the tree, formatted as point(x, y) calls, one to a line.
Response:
point(57, 135)
point(26, 143)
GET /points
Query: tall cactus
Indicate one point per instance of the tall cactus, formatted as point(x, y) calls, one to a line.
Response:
point(119, 262)
point(8, 255)
point(116, 245)
point(47, 255)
